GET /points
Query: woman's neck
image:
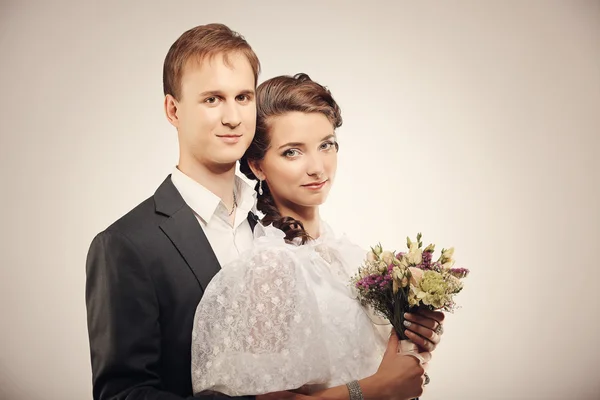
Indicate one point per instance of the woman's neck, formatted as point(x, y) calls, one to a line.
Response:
point(309, 216)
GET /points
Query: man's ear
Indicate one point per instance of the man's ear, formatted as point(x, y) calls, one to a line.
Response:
point(256, 170)
point(171, 107)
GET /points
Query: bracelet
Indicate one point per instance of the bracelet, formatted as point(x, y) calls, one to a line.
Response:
point(355, 392)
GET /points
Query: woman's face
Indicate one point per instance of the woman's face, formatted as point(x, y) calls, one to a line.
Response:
point(301, 161)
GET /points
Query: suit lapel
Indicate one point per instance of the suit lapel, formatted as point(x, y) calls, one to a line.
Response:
point(186, 234)
point(184, 231)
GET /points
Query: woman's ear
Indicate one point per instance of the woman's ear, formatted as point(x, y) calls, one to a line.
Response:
point(256, 170)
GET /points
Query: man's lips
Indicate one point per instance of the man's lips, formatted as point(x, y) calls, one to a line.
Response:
point(232, 139)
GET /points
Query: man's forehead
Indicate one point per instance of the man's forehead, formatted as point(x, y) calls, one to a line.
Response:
point(235, 62)
point(220, 72)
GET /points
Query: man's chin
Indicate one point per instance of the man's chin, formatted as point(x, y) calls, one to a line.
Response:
point(216, 165)
point(228, 157)
point(229, 154)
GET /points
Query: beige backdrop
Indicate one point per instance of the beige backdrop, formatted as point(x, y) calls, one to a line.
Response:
point(474, 122)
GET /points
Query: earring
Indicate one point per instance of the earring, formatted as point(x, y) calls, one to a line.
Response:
point(260, 190)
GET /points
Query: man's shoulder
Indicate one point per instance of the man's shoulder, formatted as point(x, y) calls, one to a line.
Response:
point(141, 216)
point(134, 225)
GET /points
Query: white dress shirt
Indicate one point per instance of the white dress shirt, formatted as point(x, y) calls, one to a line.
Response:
point(227, 241)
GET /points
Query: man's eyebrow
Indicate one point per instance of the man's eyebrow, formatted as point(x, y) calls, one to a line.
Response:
point(220, 93)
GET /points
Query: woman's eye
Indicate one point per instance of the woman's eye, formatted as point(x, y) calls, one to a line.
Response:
point(291, 153)
point(328, 145)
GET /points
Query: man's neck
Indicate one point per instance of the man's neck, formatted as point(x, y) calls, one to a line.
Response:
point(220, 180)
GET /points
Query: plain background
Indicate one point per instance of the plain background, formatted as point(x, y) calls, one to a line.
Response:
point(476, 123)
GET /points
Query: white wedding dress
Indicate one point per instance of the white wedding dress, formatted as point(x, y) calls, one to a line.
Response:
point(284, 316)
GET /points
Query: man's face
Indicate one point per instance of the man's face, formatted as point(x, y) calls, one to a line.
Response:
point(215, 116)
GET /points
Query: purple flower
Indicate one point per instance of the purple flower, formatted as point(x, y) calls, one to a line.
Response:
point(459, 272)
point(426, 259)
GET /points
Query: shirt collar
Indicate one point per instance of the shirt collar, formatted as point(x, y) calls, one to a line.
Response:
point(206, 204)
point(246, 198)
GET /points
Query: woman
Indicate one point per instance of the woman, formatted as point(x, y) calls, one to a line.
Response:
point(283, 316)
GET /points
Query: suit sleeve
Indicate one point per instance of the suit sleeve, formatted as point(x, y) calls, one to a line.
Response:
point(123, 323)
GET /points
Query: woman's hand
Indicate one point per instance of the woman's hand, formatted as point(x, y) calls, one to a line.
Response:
point(425, 328)
point(287, 395)
point(399, 376)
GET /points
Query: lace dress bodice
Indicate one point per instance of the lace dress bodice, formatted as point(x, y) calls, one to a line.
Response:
point(284, 316)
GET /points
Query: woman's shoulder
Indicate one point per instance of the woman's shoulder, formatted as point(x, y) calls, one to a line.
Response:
point(269, 239)
point(269, 244)
point(337, 240)
point(269, 236)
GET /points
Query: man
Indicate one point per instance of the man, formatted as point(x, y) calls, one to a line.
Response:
point(146, 273)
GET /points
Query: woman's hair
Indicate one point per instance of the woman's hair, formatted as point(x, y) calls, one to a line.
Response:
point(276, 97)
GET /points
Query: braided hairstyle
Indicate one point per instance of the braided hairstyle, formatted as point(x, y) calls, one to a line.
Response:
point(275, 97)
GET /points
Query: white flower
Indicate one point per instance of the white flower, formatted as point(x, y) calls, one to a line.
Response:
point(415, 254)
point(399, 278)
point(454, 284)
point(371, 257)
point(404, 261)
point(404, 282)
point(378, 249)
point(397, 274)
point(387, 257)
point(416, 274)
point(446, 258)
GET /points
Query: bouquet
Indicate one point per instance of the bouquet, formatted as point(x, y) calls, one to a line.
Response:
point(394, 283)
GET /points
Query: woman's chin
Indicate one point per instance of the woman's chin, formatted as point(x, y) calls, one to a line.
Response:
point(315, 200)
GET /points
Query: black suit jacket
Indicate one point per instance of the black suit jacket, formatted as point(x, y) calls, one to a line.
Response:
point(146, 274)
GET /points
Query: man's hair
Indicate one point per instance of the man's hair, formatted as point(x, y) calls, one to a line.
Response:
point(198, 44)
